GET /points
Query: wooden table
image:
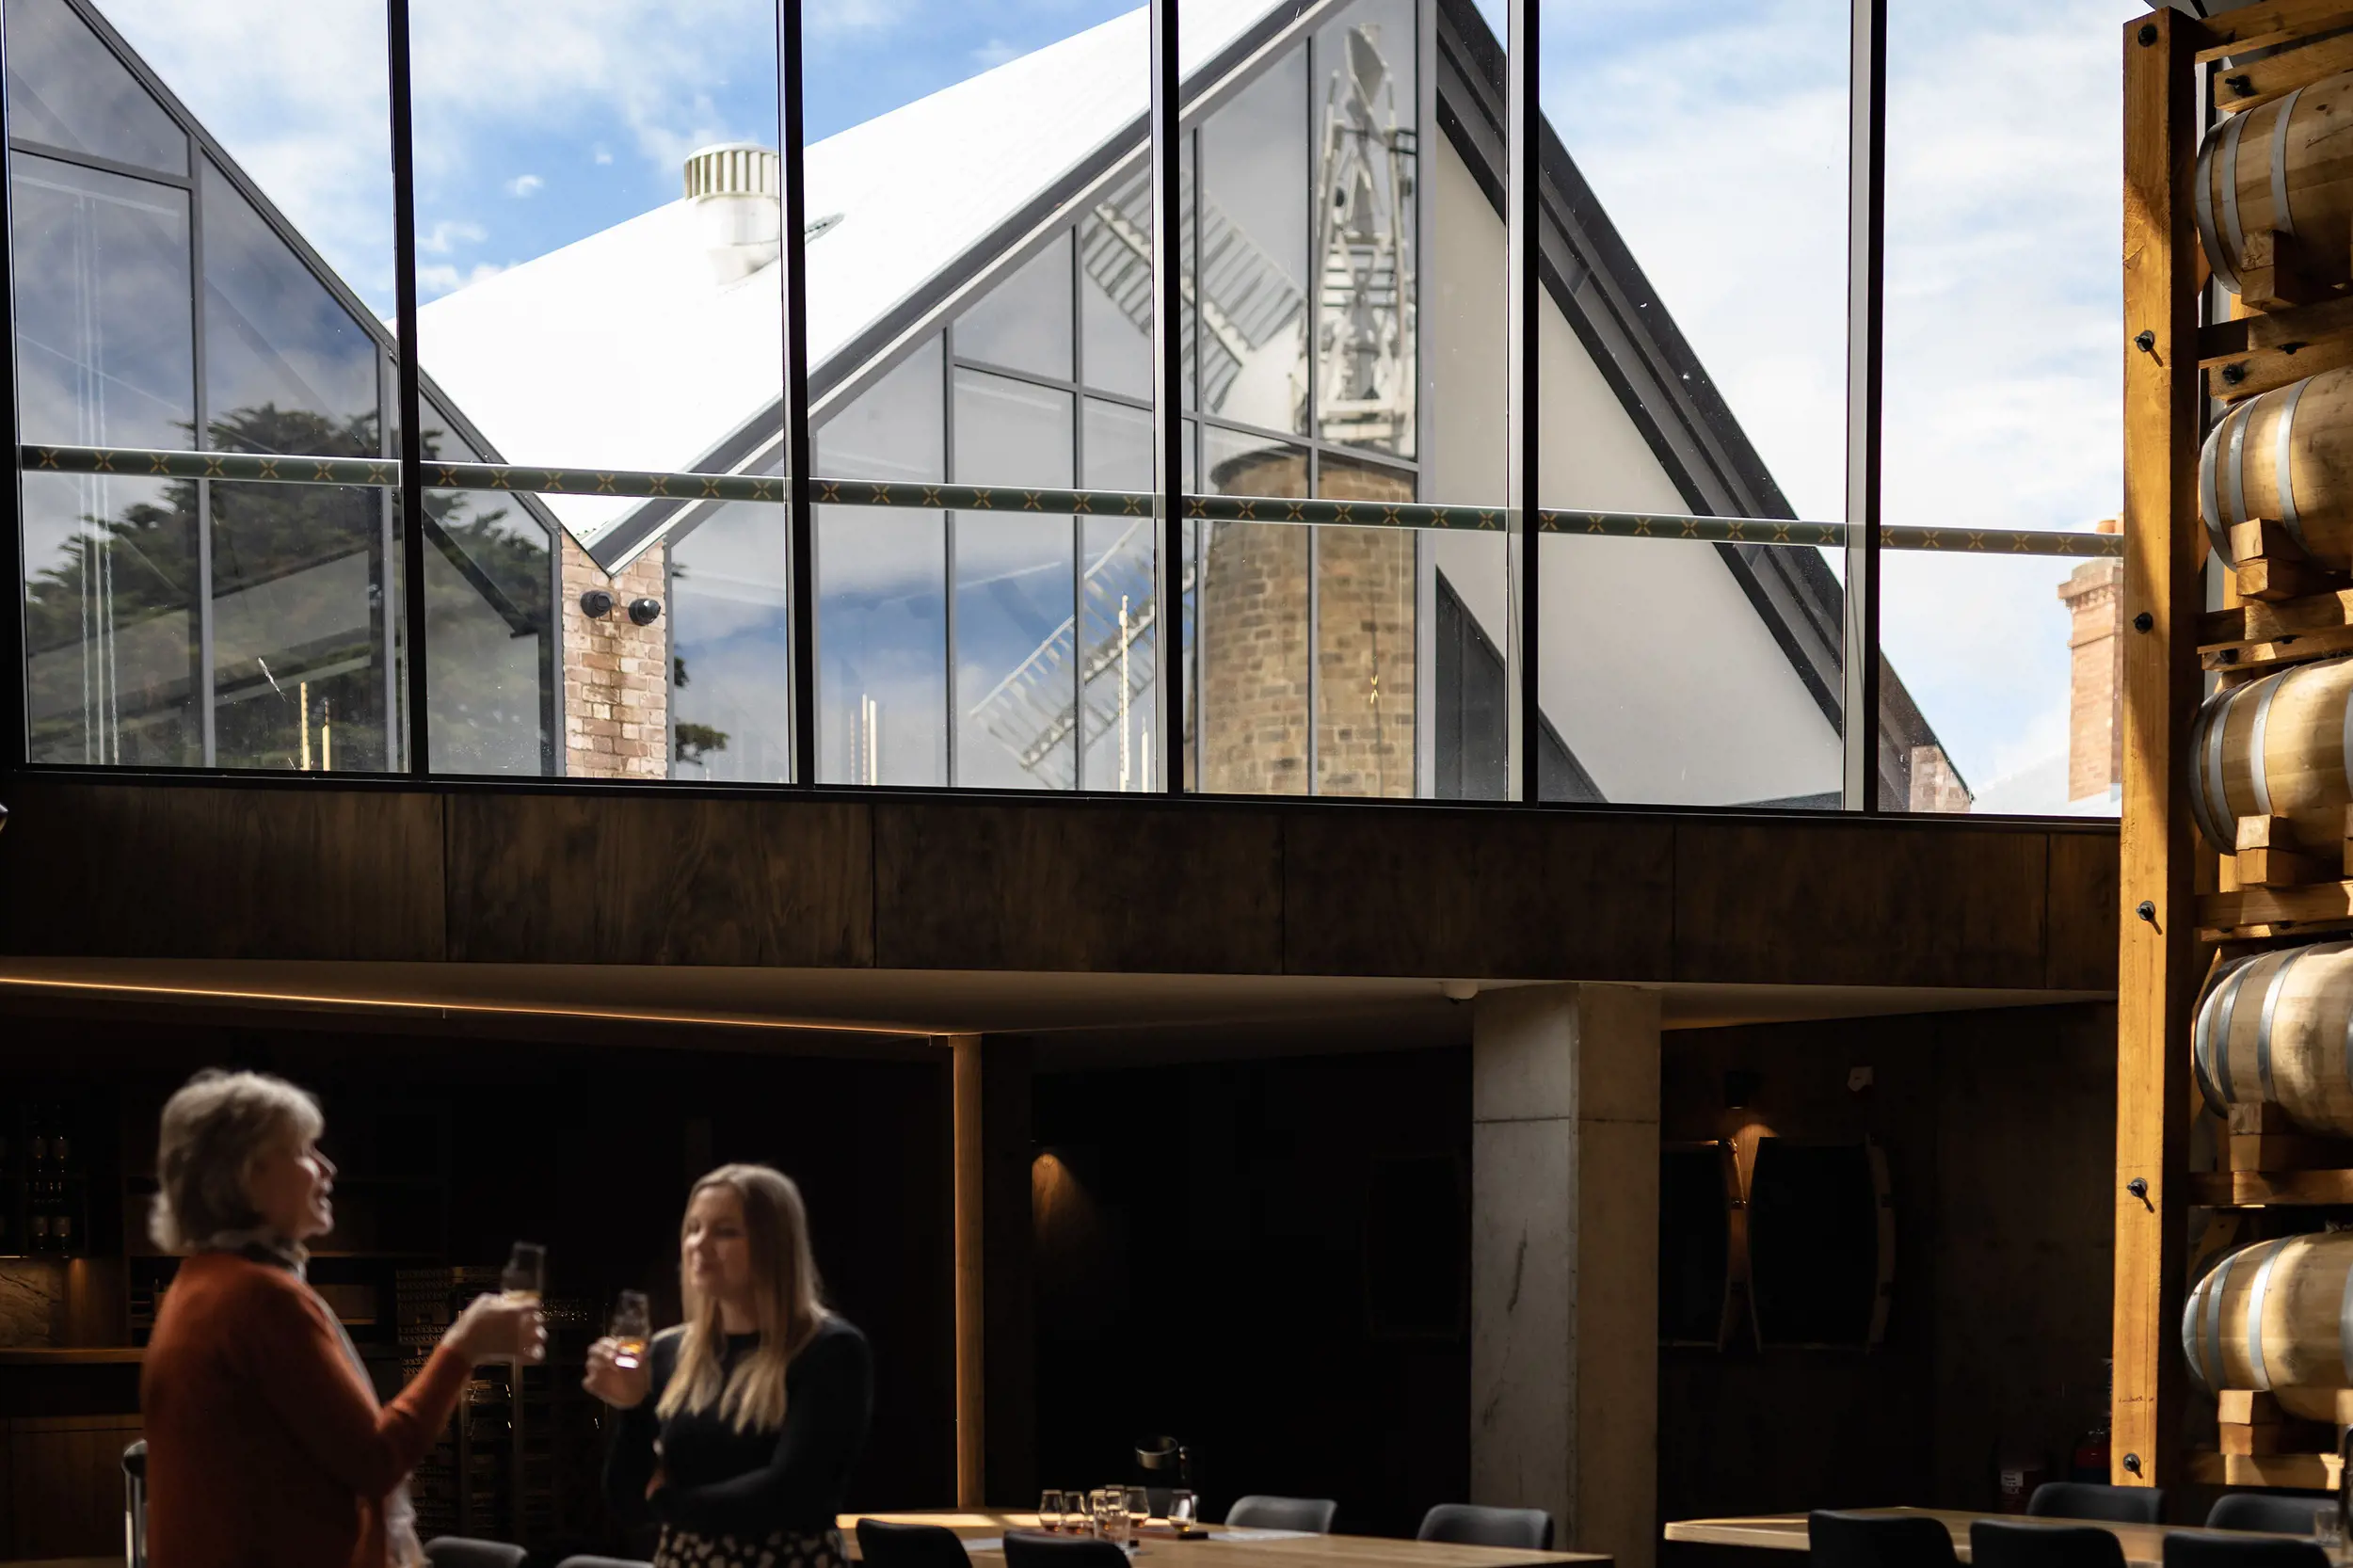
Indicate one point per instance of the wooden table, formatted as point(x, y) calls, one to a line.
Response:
point(2144, 1544)
point(1306, 1551)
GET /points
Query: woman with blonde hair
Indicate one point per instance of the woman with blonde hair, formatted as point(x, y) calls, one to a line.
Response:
point(265, 1446)
point(739, 1429)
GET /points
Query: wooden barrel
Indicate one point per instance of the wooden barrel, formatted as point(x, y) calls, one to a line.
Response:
point(2280, 745)
point(2273, 1030)
point(2287, 456)
point(2278, 1316)
point(2286, 165)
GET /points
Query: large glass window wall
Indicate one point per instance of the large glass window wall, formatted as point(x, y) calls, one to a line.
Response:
point(1484, 492)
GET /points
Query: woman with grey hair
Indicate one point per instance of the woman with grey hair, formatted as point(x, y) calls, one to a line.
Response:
point(266, 1445)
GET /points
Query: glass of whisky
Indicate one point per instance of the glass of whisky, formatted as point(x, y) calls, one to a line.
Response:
point(526, 1272)
point(633, 1325)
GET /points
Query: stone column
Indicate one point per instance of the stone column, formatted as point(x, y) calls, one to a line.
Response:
point(1564, 1262)
point(2093, 595)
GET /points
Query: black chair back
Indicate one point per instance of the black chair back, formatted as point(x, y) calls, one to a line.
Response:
point(603, 1562)
point(458, 1551)
point(884, 1544)
point(1836, 1540)
point(1528, 1529)
point(1036, 1550)
point(1993, 1544)
point(2183, 1550)
point(1258, 1510)
point(2087, 1499)
point(2259, 1510)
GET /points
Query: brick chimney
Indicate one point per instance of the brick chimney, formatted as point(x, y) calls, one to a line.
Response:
point(2094, 597)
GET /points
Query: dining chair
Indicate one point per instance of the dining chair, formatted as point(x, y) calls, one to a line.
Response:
point(2089, 1499)
point(884, 1544)
point(604, 1563)
point(2264, 1510)
point(2185, 1550)
point(1263, 1512)
point(1836, 1540)
point(1995, 1545)
point(1036, 1550)
point(1529, 1529)
point(459, 1551)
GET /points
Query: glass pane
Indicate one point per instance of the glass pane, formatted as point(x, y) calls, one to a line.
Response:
point(1253, 249)
point(489, 636)
point(1368, 180)
point(1251, 637)
point(111, 597)
point(1365, 627)
point(1024, 322)
point(1719, 682)
point(1115, 291)
point(730, 647)
point(881, 639)
point(2001, 412)
point(287, 367)
point(104, 324)
point(299, 667)
point(1016, 681)
point(619, 168)
point(893, 430)
point(68, 90)
point(1118, 446)
point(1011, 432)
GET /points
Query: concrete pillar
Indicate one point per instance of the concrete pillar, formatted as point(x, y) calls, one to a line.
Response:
point(1564, 1262)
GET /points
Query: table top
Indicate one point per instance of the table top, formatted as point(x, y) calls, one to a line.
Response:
point(2144, 1544)
point(1222, 1548)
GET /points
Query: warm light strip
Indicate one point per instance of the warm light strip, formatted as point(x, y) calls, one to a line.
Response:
point(499, 1009)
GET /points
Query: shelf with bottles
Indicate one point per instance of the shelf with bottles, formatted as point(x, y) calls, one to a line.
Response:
point(44, 1178)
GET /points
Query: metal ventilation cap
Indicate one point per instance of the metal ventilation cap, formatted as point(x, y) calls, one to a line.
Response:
point(734, 168)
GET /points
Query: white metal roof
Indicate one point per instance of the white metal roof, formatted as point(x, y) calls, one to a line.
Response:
point(623, 351)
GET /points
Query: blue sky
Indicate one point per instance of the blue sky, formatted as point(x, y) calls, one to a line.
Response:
point(1714, 135)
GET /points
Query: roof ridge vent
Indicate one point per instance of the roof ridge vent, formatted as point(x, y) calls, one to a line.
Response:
point(737, 192)
point(734, 168)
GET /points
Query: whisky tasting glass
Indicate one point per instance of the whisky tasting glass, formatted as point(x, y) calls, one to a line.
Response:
point(633, 1325)
point(526, 1272)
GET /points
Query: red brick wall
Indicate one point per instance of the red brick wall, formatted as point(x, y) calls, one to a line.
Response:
point(617, 688)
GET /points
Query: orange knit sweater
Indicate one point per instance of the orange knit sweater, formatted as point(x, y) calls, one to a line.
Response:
point(266, 1448)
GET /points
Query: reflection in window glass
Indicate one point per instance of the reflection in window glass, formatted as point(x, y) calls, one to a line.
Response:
point(892, 430)
point(1011, 432)
point(1016, 686)
point(882, 645)
point(1024, 322)
point(1364, 245)
point(1250, 649)
point(297, 645)
point(1115, 292)
point(68, 90)
point(110, 620)
point(1365, 640)
point(487, 631)
point(1253, 251)
point(730, 649)
point(1245, 464)
point(1118, 446)
point(1121, 663)
point(287, 368)
point(106, 346)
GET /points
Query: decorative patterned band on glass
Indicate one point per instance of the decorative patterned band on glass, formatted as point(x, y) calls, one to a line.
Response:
point(385, 471)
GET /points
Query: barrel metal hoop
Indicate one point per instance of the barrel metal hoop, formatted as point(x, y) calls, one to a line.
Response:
point(2215, 253)
point(2195, 1304)
point(2283, 478)
point(2222, 1035)
point(2345, 1327)
point(2209, 504)
point(2217, 1283)
point(2217, 796)
point(2201, 807)
point(2272, 989)
point(2234, 233)
point(2202, 1040)
point(2258, 772)
point(2242, 416)
point(2280, 215)
point(2255, 1293)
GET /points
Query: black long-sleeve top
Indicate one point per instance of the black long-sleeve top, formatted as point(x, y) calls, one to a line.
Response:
point(746, 1484)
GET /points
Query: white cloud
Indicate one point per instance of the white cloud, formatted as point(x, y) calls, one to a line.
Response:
point(524, 184)
point(995, 51)
point(436, 279)
point(448, 234)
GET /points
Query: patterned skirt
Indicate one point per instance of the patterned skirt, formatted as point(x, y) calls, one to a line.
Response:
point(683, 1548)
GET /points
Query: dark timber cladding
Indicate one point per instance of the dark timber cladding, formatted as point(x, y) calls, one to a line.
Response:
point(2164, 549)
point(288, 868)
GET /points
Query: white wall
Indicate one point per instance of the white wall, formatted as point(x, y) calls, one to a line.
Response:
point(1657, 670)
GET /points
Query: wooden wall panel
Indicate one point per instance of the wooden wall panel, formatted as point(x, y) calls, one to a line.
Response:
point(65, 1485)
point(655, 879)
point(1860, 904)
point(227, 872)
point(2083, 906)
point(1477, 894)
point(1073, 885)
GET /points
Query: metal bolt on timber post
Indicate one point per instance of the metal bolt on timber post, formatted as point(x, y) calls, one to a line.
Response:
point(2148, 36)
point(2145, 341)
point(2132, 1463)
point(2144, 622)
point(2233, 375)
point(2147, 910)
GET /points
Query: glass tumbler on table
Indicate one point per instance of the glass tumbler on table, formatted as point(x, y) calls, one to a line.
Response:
point(1050, 1510)
point(1182, 1509)
point(633, 1325)
point(2328, 1531)
point(1139, 1505)
point(1110, 1514)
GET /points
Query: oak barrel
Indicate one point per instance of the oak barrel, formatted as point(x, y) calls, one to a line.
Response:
point(2278, 1316)
point(2272, 1030)
point(2286, 165)
point(2280, 745)
point(2287, 456)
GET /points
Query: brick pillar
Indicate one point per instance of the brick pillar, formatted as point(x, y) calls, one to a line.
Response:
point(2093, 595)
point(617, 676)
